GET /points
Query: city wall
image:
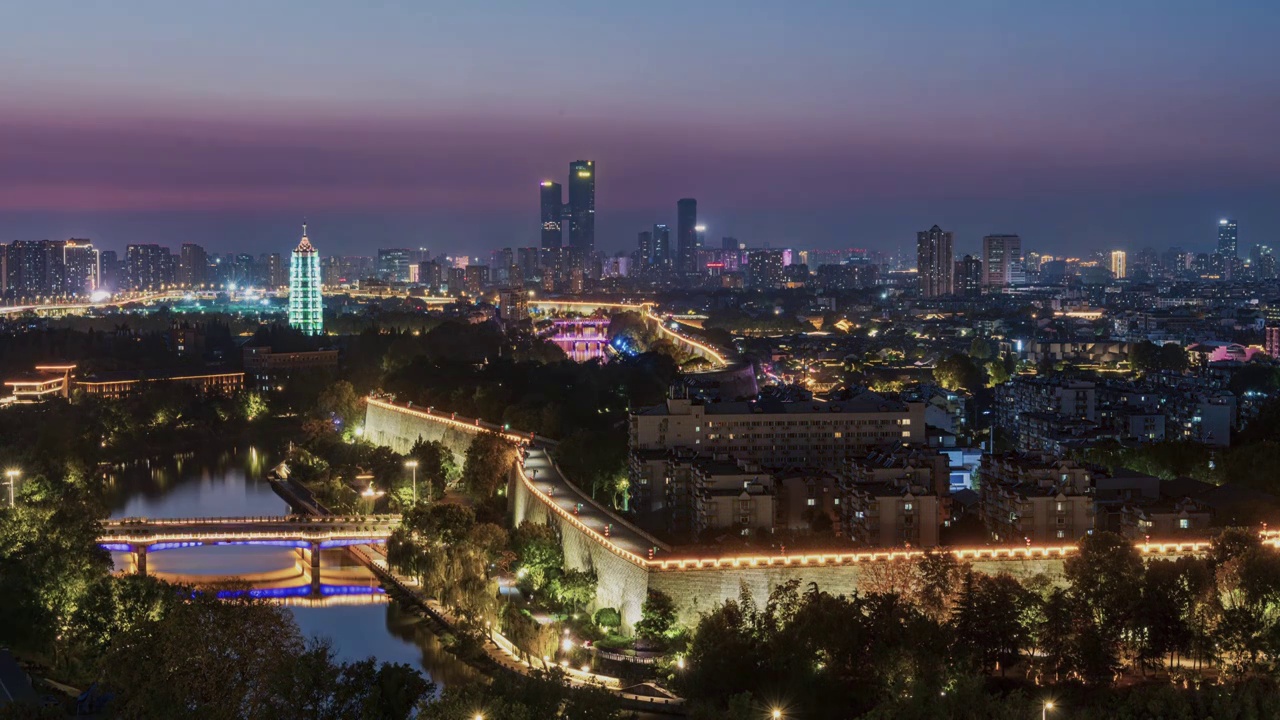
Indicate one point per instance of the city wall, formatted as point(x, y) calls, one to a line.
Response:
point(697, 585)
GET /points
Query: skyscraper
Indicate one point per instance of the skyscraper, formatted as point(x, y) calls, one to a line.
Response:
point(935, 262)
point(662, 247)
point(306, 307)
point(999, 255)
point(552, 214)
point(1119, 264)
point(686, 235)
point(393, 264)
point(644, 248)
point(1227, 238)
point(582, 206)
point(193, 265)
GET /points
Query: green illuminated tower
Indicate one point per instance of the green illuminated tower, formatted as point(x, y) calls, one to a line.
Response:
point(306, 308)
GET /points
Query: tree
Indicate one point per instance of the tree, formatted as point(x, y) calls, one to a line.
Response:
point(1144, 356)
point(341, 401)
point(608, 618)
point(436, 467)
point(1173, 357)
point(980, 349)
point(959, 372)
point(539, 552)
point(657, 616)
point(489, 459)
point(574, 589)
point(1105, 576)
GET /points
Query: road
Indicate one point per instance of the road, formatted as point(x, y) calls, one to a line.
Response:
point(547, 479)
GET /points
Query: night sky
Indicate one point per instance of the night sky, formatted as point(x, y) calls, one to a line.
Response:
point(1076, 124)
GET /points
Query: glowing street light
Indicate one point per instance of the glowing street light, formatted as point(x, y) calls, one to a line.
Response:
point(1044, 711)
point(776, 714)
point(413, 465)
point(12, 476)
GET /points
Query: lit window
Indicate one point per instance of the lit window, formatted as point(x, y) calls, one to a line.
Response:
point(810, 502)
point(1062, 533)
point(908, 507)
point(1184, 523)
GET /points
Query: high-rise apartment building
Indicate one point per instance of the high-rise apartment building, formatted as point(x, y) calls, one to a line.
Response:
point(27, 269)
point(1000, 255)
point(582, 206)
point(552, 206)
point(935, 262)
point(1227, 240)
point(148, 266)
point(80, 267)
point(686, 235)
point(110, 274)
point(277, 275)
point(306, 304)
point(1119, 265)
point(193, 265)
point(765, 267)
point(969, 276)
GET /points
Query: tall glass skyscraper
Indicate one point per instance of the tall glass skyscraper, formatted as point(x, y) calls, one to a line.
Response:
point(552, 205)
point(306, 307)
point(582, 206)
point(1227, 242)
point(687, 235)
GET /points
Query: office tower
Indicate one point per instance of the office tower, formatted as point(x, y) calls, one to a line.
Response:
point(969, 276)
point(393, 264)
point(1227, 238)
point(80, 265)
point(700, 236)
point(193, 265)
point(1000, 253)
point(4, 270)
point(277, 276)
point(645, 247)
point(456, 278)
point(552, 214)
point(728, 243)
point(582, 206)
point(148, 266)
point(686, 235)
point(935, 262)
point(306, 305)
point(1118, 264)
point(662, 256)
point(765, 268)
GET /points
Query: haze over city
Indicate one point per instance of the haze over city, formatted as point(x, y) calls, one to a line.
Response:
point(822, 125)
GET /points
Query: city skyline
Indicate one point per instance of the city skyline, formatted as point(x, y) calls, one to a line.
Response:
point(145, 133)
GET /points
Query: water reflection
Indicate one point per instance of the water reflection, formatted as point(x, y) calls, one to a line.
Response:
point(231, 483)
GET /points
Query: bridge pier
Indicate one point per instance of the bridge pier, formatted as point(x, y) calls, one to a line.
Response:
point(315, 567)
point(140, 559)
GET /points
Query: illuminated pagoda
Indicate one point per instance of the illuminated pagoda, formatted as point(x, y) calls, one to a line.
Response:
point(306, 307)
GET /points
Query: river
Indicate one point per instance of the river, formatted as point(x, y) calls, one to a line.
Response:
point(231, 483)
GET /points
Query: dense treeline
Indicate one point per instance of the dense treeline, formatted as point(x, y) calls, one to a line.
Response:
point(923, 633)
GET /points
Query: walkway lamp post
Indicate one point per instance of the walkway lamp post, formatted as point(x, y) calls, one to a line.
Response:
point(12, 478)
point(413, 465)
point(1044, 711)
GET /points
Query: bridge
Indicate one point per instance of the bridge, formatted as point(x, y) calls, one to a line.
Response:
point(308, 535)
point(628, 561)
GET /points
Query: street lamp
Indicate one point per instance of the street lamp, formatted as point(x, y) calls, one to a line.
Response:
point(1044, 711)
point(776, 714)
point(12, 476)
point(413, 465)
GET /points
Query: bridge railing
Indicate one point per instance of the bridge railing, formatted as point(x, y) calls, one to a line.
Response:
point(257, 520)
